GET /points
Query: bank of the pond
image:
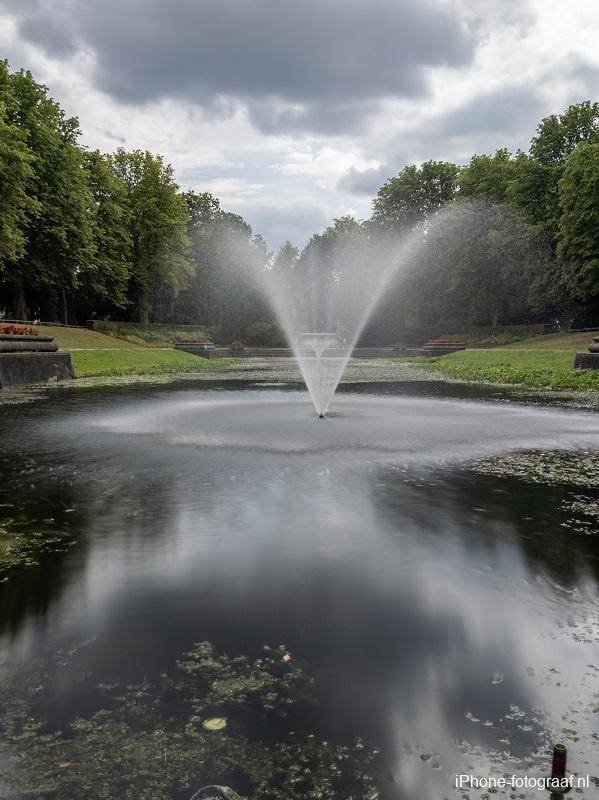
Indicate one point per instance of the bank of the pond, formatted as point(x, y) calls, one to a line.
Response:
point(550, 369)
point(141, 361)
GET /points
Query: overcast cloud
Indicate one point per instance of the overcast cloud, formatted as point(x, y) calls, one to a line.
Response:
point(293, 113)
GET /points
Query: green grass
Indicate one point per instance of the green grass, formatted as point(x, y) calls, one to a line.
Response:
point(95, 354)
point(527, 367)
point(570, 342)
point(141, 361)
point(82, 338)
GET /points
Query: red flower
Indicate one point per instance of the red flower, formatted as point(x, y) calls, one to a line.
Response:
point(17, 330)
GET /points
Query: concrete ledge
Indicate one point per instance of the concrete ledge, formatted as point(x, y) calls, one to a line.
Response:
point(21, 369)
point(586, 361)
point(196, 349)
point(28, 346)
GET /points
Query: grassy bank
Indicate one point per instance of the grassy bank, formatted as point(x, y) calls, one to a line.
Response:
point(538, 363)
point(149, 335)
point(82, 338)
point(141, 361)
point(98, 355)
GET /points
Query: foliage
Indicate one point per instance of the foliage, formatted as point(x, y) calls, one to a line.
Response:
point(578, 234)
point(91, 236)
point(226, 256)
point(58, 234)
point(407, 199)
point(265, 334)
point(534, 368)
point(105, 276)
point(17, 206)
point(488, 176)
point(149, 335)
point(147, 740)
point(157, 227)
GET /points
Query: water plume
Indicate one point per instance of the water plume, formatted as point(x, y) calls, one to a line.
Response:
point(324, 299)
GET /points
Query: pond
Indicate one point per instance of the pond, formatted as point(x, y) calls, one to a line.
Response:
point(449, 617)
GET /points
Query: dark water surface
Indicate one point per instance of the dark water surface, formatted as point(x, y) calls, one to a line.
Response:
point(449, 617)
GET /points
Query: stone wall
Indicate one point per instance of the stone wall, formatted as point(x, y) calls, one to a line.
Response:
point(21, 369)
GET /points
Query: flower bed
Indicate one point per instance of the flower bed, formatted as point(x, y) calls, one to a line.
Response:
point(17, 330)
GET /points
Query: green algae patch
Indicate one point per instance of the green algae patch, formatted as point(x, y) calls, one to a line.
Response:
point(534, 368)
point(571, 470)
point(551, 467)
point(147, 740)
point(22, 544)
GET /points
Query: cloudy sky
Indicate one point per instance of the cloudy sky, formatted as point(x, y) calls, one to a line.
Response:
point(293, 112)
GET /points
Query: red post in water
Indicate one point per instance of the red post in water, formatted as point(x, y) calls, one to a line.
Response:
point(558, 766)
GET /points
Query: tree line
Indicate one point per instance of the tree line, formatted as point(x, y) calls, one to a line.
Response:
point(504, 239)
point(521, 243)
point(84, 235)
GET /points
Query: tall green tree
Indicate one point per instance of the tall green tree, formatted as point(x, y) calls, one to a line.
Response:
point(578, 230)
point(416, 192)
point(286, 257)
point(17, 206)
point(487, 176)
point(157, 226)
point(58, 237)
point(534, 188)
point(105, 276)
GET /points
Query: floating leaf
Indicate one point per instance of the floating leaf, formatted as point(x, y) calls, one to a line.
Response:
point(214, 724)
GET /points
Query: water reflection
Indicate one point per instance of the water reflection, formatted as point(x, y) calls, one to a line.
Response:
point(449, 616)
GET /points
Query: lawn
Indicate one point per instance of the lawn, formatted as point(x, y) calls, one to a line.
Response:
point(141, 361)
point(95, 354)
point(514, 364)
point(570, 342)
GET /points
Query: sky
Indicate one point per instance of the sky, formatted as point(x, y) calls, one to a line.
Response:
point(293, 113)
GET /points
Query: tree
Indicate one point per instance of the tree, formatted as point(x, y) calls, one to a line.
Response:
point(487, 176)
point(535, 185)
point(58, 237)
point(17, 206)
point(407, 199)
point(104, 278)
point(558, 135)
point(157, 227)
point(578, 231)
point(227, 262)
point(286, 257)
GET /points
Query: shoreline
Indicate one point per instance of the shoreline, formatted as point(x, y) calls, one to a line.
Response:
point(284, 372)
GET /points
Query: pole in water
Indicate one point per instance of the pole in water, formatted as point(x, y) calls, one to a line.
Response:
point(558, 765)
point(557, 784)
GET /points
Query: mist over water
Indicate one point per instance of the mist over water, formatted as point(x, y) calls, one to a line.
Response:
point(324, 301)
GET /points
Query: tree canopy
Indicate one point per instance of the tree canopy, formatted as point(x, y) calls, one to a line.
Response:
point(505, 238)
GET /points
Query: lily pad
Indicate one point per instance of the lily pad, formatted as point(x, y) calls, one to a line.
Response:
point(214, 724)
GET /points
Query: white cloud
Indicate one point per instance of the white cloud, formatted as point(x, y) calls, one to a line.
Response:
point(290, 151)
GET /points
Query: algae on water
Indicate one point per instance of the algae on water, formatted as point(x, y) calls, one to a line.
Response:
point(148, 740)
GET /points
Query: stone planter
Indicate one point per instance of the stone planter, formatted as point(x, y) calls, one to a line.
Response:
point(11, 343)
point(31, 359)
point(588, 360)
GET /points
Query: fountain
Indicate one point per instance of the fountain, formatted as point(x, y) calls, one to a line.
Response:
point(322, 360)
point(323, 302)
